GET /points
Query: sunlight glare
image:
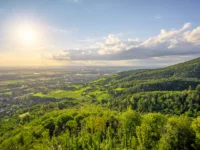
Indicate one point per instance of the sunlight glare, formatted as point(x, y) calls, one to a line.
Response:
point(27, 34)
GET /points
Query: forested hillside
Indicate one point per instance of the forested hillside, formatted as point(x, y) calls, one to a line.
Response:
point(190, 69)
point(174, 78)
point(138, 109)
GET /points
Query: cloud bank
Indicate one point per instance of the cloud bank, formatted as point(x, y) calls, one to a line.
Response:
point(181, 42)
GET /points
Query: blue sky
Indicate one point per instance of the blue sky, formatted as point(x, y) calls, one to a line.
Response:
point(99, 28)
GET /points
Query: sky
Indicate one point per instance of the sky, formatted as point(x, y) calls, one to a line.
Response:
point(140, 33)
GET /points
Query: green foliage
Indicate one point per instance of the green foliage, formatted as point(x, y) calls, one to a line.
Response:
point(100, 128)
point(139, 109)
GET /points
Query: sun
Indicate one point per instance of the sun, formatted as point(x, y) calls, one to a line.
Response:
point(27, 34)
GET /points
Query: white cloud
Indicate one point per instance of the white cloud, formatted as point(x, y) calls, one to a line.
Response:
point(193, 36)
point(186, 26)
point(153, 62)
point(112, 44)
point(112, 39)
point(173, 42)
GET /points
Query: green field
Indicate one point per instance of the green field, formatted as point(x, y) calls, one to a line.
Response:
point(77, 94)
point(98, 94)
point(61, 94)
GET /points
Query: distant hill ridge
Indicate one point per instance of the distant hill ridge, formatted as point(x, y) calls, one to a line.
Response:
point(189, 69)
point(173, 78)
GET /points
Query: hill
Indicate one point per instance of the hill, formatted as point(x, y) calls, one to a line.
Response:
point(176, 77)
point(189, 69)
point(168, 90)
point(138, 109)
